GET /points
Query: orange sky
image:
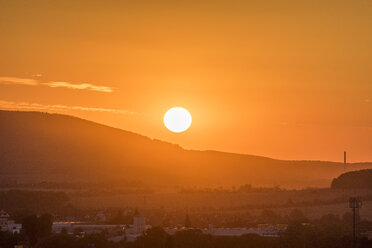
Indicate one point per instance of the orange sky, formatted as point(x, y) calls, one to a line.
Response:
point(284, 79)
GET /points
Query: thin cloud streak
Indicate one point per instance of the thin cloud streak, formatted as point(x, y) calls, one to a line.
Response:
point(41, 107)
point(34, 82)
point(21, 81)
point(82, 86)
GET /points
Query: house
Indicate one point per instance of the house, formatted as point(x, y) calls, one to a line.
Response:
point(8, 225)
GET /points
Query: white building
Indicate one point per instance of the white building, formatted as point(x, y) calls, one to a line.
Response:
point(7, 225)
point(262, 230)
point(87, 228)
point(137, 229)
point(115, 232)
point(139, 223)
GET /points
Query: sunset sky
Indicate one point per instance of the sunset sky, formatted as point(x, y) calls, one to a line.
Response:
point(283, 79)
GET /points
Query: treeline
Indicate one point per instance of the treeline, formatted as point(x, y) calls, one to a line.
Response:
point(8, 240)
point(34, 201)
point(13, 183)
point(328, 232)
point(353, 180)
point(246, 188)
point(37, 233)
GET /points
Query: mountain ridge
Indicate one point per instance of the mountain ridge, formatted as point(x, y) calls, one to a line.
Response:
point(37, 143)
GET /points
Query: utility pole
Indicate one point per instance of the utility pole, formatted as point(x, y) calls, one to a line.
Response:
point(355, 203)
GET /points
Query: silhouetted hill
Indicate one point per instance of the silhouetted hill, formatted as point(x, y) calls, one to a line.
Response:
point(361, 179)
point(56, 147)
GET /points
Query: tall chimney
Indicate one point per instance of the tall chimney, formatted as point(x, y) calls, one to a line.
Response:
point(345, 158)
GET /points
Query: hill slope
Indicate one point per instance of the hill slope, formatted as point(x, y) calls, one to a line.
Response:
point(354, 180)
point(60, 147)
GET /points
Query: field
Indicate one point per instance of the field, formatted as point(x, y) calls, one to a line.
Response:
point(314, 203)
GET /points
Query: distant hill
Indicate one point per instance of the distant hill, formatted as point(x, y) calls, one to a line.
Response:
point(361, 179)
point(54, 147)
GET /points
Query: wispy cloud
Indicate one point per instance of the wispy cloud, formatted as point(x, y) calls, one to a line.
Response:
point(22, 81)
point(69, 85)
point(56, 107)
point(82, 86)
point(367, 100)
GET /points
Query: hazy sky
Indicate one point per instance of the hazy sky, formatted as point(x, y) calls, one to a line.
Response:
point(285, 79)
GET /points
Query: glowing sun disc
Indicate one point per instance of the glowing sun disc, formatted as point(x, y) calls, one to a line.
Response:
point(177, 119)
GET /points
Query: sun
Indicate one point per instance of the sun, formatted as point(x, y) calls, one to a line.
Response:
point(177, 119)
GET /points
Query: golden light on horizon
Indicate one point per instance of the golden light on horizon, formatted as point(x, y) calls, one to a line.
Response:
point(247, 71)
point(177, 119)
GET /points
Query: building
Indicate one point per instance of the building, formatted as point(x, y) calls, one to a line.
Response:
point(139, 223)
point(86, 228)
point(7, 225)
point(101, 217)
point(264, 230)
point(137, 229)
point(115, 233)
